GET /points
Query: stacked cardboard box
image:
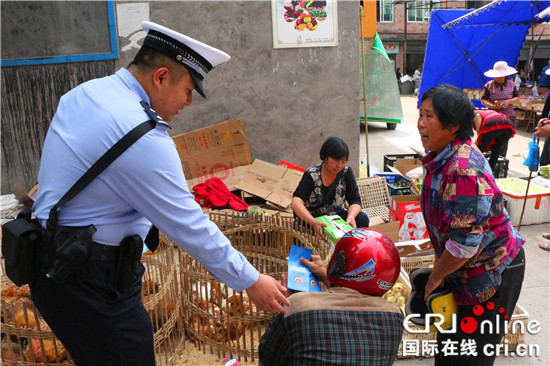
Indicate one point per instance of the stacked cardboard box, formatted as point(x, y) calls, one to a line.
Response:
point(214, 151)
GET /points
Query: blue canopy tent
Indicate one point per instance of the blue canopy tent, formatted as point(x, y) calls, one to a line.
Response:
point(505, 12)
point(458, 51)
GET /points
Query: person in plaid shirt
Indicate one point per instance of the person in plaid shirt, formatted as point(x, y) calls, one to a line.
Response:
point(478, 251)
point(351, 325)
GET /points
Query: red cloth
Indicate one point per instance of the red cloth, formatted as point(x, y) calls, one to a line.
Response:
point(490, 121)
point(215, 193)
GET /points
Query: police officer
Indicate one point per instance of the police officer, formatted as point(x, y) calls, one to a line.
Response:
point(97, 322)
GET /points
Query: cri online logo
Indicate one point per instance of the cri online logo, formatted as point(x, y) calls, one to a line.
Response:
point(470, 324)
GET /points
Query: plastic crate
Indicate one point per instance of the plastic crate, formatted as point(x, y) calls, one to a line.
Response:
point(390, 159)
point(501, 169)
point(393, 178)
point(536, 201)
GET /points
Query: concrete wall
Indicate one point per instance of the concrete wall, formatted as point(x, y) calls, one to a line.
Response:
point(291, 99)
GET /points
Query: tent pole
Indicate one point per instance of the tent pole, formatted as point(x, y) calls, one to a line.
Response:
point(367, 163)
point(405, 72)
point(531, 65)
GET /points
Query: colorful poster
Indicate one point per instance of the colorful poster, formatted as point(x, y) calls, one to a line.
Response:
point(304, 23)
point(382, 92)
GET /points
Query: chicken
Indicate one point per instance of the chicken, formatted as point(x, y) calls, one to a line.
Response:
point(53, 351)
point(160, 313)
point(14, 293)
point(216, 294)
point(10, 351)
point(238, 305)
point(149, 288)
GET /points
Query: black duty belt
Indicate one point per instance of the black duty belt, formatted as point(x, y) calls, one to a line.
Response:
point(100, 252)
point(104, 253)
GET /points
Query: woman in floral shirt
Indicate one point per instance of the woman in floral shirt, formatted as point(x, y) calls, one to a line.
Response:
point(325, 188)
point(478, 251)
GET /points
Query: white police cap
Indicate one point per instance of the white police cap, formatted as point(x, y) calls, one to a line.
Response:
point(199, 58)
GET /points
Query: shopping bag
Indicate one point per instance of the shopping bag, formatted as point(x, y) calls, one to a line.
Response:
point(533, 158)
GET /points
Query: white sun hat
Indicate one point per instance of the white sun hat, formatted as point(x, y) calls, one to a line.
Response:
point(500, 69)
point(197, 57)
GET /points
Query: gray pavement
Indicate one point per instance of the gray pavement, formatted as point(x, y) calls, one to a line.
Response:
point(534, 297)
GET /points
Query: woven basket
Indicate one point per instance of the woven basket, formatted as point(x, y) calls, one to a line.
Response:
point(26, 337)
point(375, 197)
point(162, 299)
point(225, 321)
point(381, 211)
point(411, 262)
point(373, 192)
point(514, 336)
point(408, 337)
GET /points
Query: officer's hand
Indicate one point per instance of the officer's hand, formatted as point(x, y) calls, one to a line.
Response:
point(284, 282)
point(268, 295)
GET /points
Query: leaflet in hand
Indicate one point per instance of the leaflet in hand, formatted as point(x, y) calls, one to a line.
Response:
point(300, 277)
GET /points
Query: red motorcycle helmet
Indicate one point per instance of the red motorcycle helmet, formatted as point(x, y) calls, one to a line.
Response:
point(365, 260)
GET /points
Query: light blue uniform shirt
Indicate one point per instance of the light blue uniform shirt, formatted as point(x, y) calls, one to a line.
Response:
point(144, 185)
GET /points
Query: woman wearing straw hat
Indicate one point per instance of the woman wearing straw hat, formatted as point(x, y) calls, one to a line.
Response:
point(501, 93)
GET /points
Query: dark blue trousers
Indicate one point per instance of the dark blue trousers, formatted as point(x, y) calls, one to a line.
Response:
point(362, 220)
point(506, 298)
point(97, 324)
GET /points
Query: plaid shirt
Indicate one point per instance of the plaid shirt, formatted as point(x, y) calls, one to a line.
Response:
point(337, 327)
point(464, 213)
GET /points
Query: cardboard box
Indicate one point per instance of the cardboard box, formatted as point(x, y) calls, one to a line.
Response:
point(299, 277)
point(407, 203)
point(391, 229)
point(403, 166)
point(406, 210)
point(413, 247)
point(230, 177)
point(376, 220)
point(211, 151)
point(273, 183)
point(405, 248)
point(336, 227)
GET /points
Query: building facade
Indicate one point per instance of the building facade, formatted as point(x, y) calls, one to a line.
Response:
point(403, 27)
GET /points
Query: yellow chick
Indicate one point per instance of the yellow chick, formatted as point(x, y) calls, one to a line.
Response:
point(397, 291)
point(401, 303)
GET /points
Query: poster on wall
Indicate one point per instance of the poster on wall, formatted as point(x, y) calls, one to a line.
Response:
point(129, 18)
point(304, 23)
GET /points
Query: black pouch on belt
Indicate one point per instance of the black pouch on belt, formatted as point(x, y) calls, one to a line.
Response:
point(131, 248)
point(20, 244)
point(71, 249)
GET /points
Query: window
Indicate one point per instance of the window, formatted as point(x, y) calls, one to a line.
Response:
point(419, 11)
point(475, 4)
point(385, 11)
